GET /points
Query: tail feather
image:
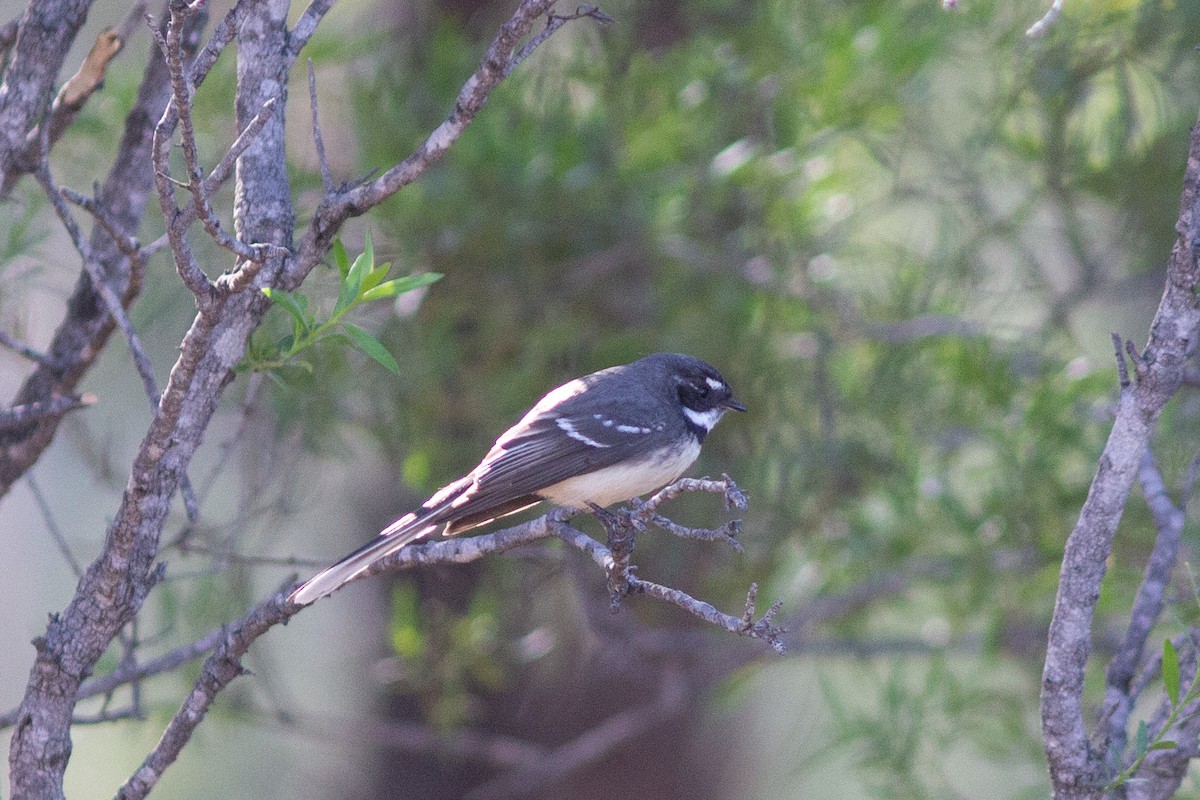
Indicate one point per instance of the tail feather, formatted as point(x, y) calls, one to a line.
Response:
point(332, 578)
point(407, 529)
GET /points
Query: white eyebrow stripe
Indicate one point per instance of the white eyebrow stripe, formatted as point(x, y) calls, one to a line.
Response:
point(714, 383)
point(569, 428)
point(703, 419)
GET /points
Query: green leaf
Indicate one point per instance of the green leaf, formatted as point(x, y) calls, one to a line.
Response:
point(372, 278)
point(296, 305)
point(398, 286)
point(373, 348)
point(1163, 744)
point(1143, 738)
point(368, 250)
point(340, 259)
point(1170, 671)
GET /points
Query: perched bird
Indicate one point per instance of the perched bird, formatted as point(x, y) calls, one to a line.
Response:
point(600, 439)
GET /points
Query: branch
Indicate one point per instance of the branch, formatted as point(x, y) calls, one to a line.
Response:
point(84, 331)
point(1147, 605)
point(1162, 771)
point(501, 58)
point(44, 38)
point(22, 349)
point(593, 745)
point(21, 415)
point(1049, 18)
point(1076, 770)
point(218, 672)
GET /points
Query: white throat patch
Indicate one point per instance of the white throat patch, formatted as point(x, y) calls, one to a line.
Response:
point(703, 419)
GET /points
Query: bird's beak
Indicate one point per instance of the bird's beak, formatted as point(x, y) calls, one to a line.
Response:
point(734, 404)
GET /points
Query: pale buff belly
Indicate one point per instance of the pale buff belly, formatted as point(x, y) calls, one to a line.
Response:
point(621, 482)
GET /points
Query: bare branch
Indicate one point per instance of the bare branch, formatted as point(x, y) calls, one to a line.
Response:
point(20, 416)
point(56, 533)
point(499, 60)
point(326, 175)
point(1076, 769)
point(22, 349)
point(553, 23)
point(1147, 605)
point(306, 26)
point(1042, 25)
point(84, 330)
point(218, 672)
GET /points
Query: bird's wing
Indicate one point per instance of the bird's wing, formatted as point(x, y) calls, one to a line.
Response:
point(547, 450)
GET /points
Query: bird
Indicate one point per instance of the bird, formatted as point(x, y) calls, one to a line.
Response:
point(601, 439)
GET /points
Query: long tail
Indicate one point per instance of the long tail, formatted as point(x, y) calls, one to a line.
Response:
point(332, 578)
point(405, 530)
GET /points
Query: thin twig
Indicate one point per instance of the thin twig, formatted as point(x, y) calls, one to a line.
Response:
point(24, 350)
point(1042, 25)
point(1122, 368)
point(171, 43)
point(128, 245)
point(21, 415)
point(115, 309)
point(326, 175)
point(56, 533)
point(1147, 606)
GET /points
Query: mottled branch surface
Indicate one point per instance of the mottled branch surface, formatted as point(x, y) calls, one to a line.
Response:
point(1077, 769)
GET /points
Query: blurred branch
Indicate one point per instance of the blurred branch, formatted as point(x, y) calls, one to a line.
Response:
point(1076, 769)
point(22, 349)
point(1147, 605)
point(318, 141)
point(20, 416)
point(1049, 18)
point(525, 766)
point(593, 745)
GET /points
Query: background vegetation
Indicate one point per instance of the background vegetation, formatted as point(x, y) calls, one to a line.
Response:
point(903, 234)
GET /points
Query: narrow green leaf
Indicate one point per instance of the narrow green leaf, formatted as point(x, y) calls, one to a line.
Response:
point(296, 305)
point(372, 278)
point(1142, 742)
point(373, 348)
point(1163, 744)
point(340, 259)
point(1170, 671)
point(352, 285)
point(398, 286)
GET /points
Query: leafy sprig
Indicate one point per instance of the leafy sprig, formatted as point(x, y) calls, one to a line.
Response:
point(1143, 743)
point(362, 281)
